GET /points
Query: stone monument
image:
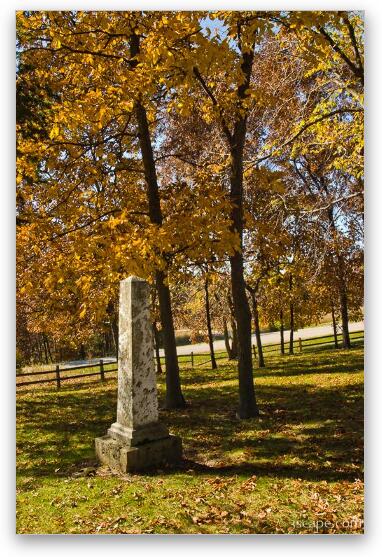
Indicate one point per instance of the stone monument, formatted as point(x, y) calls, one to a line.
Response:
point(137, 440)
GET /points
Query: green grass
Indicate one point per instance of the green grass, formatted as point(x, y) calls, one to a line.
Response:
point(289, 471)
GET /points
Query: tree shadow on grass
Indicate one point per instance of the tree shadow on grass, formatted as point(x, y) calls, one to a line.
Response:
point(334, 361)
point(306, 431)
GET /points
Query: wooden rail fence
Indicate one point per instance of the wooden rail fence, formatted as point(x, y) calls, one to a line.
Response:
point(59, 377)
point(60, 374)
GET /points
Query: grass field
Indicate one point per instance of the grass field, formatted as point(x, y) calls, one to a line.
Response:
point(296, 469)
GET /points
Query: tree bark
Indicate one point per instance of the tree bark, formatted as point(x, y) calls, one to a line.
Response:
point(226, 340)
point(247, 399)
point(234, 349)
point(174, 396)
point(291, 341)
point(257, 330)
point(113, 318)
point(37, 348)
point(114, 333)
point(334, 327)
point(45, 350)
point(341, 282)
point(82, 352)
point(209, 326)
point(46, 340)
point(156, 342)
point(291, 314)
point(282, 345)
point(343, 303)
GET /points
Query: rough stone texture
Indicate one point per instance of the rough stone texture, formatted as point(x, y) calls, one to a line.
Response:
point(120, 457)
point(136, 440)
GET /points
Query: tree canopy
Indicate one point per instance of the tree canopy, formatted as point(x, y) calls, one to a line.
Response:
point(183, 147)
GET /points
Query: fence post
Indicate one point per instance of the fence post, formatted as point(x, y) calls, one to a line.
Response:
point(254, 350)
point(58, 376)
point(102, 370)
point(192, 360)
point(300, 343)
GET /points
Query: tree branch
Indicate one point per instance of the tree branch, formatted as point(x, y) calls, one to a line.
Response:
point(358, 72)
point(303, 129)
point(209, 93)
point(329, 205)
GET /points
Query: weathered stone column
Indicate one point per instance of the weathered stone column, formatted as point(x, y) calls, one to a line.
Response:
point(137, 439)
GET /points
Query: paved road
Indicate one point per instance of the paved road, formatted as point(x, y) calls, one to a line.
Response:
point(268, 338)
point(203, 347)
point(75, 363)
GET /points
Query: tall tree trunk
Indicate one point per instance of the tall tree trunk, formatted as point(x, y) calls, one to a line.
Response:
point(226, 339)
point(46, 340)
point(291, 333)
point(345, 319)
point(342, 290)
point(157, 353)
point(174, 396)
point(247, 399)
point(343, 303)
point(114, 333)
point(234, 349)
point(82, 352)
point(36, 349)
point(291, 314)
point(209, 327)
point(282, 346)
point(39, 349)
point(45, 350)
point(334, 327)
point(257, 330)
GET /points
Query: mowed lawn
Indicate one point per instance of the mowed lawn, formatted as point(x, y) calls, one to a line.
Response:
point(296, 469)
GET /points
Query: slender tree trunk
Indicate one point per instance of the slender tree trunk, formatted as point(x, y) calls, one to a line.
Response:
point(234, 349)
point(345, 320)
point(257, 330)
point(291, 333)
point(209, 327)
point(174, 396)
point(247, 399)
point(82, 352)
point(291, 314)
point(282, 346)
point(156, 342)
point(46, 340)
point(114, 333)
point(341, 286)
point(45, 350)
point(334, 327)
point(343, 304)
point(39, 349)
point(226, 340)
point(54, 351)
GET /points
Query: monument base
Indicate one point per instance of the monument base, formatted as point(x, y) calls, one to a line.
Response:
point(133, 437)
point(124, 458)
